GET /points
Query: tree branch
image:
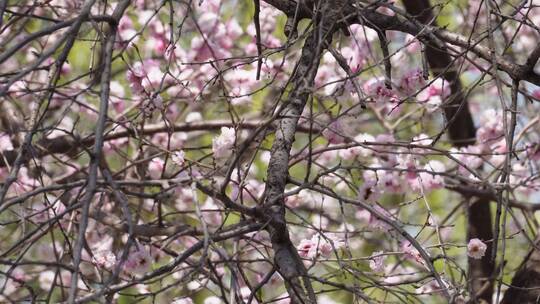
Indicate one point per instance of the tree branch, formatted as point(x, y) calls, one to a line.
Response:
point(286, 256)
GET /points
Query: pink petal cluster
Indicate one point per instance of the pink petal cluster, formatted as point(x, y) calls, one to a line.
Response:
point(178, 157)
point(469, 156)
point(155, 168)
point(353, 152)
point(355, 56)
point(311, 248)
point(145, 76)
point(377, 260)
point(412, 81)
point(138, 261)
point(411, 253)
point(182, 301)
point(476, 248)
point(5, 141)
point(240, 82)
point(334, 132)
point(222, 145)
point(104, 259)
point(491, 127)
point(430, 179)
point(434, 94)
point(376, 88)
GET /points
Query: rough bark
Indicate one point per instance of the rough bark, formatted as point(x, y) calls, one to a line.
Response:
point(286, 257)
point(461, 132)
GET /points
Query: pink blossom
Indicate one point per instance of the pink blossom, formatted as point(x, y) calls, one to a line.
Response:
point(363, 33)
point(498, 150)
point(126, 32)
point(117, 97)
point(193, 117)
point(183, 198)
point(174, 142)
point(476, 248)
point(413, 45)
point(362, 139)
point(182, 301)
point(152, 104)
point(135, 76)
point(13, 283)
point(203, 50)
point(491, 126)
point(208, 6)
point(382, 139)
point(533, 151)
point(293, 201)
point(376, 262)
point(155, 168)
point(390, 182)
point(234, 30)
point(355, 56)
point(250, 190)
point(412, 81)
point(435, 92)
point(48, 278)
point(536, 94)
point(5, 142)
point(411, 252)
point(104, 259)
point(178, 157)
point(245, 293)
point(363, 216)
point(208, 21)
point(408, 162)
point(376, 88)
point(213, 300)
point(334, 132)
point(211, 214)
point(349, 153)
point(240, 82)
point(385, 10)
point(422, 140)
point(429, 288)
point(430, 180)
point(222, 145)
point(114, 145)
point(328, 157)
point(317, 245)
point(368, 191)
point(138, 261)
point(47, 209)
point(154, 76)
point(468, 156)
point(24, 182)
point(378, 223)
point(159, 43)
